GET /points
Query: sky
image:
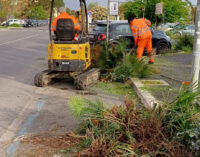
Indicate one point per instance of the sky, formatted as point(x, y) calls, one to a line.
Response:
point(73, 4)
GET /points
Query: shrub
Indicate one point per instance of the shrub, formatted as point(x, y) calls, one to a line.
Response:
point(119, 64)
point(130, 67)
point(111, 54)
point(185, 43)
point(15, 25)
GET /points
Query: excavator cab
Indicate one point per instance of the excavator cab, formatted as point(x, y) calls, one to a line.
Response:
point(68, 57)
point(65, 30)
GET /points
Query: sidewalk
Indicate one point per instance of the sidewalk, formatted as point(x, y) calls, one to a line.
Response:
point(174, 69)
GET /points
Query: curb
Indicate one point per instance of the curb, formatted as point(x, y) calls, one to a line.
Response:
point(147, 99)
point(11, 28)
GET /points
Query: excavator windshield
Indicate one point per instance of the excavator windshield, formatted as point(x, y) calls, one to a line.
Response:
point(81, 17)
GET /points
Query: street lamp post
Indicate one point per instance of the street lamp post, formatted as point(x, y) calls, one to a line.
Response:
point(108, 18)
point(196, 51)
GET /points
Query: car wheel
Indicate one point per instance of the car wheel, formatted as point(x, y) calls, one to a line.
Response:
point(162, 48)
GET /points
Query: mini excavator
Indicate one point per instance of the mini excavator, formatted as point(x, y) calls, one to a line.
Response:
point(68, 58)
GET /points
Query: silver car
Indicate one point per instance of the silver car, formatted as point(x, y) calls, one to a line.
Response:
point(189, 29)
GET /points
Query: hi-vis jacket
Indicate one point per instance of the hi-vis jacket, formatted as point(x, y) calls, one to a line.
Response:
point(64, 15)
point(140, 29)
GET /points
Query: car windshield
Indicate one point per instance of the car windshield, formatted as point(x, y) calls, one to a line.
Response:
point(122, 29)
point(100, 28)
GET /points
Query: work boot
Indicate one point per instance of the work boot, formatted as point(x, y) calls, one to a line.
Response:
point(150, 62)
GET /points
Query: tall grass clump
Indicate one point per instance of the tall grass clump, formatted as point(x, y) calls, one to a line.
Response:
point(182, 120)
point(184, 43)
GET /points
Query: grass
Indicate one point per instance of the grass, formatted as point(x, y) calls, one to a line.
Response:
point(3, 27)
point(162, 93)
point(115, 88)
point(15, 25)
point(146, 82)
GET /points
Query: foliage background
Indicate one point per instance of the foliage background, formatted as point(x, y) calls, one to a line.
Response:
point(175, 10)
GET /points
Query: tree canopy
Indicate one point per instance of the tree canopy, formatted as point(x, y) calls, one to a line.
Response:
point(174, 10)
point(37, 12)
point(92, 5)
point(99, 13)
point(71, 12)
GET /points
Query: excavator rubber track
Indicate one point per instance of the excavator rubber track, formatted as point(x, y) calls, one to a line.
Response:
point(81, 80)
point(41, 79)
point(45, 77)
point(87, 79)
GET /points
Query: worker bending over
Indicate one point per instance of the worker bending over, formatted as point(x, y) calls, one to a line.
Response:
point(64, 15)
point(142, 36)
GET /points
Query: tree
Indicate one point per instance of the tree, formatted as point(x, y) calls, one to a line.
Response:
point(2, 15)
point(175, 10)
point(6, 9)
point(37, 12)
point(92, 5)
point(193, 10)
point(59, 3)
point(121, 11)
point(99, 13)
point(133, 8)
point(46, 4)
point(71, 12)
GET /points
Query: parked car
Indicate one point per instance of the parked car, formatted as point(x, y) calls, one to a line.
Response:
point(189, 29)
point(22, 22)
point(30, 23)
point(13, 21)
point(121, 30)
point(167, 27)
point(4, 23)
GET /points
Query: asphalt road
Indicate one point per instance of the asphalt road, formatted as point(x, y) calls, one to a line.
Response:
point(178, 67)
point(21, 54)
point(24, 108)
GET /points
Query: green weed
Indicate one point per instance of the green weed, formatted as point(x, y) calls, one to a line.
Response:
point(115, 88)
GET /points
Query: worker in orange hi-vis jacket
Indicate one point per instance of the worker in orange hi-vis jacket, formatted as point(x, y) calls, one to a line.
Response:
point(142, 36)
point(64, 15)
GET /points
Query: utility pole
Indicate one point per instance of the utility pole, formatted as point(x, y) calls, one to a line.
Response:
point(108, 18)
point(196, 51)
point(143, 9)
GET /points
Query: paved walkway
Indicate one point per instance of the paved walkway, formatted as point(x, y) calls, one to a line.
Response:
point(175, 68)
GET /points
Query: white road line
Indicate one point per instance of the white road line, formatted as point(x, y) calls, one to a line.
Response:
point(14, 41)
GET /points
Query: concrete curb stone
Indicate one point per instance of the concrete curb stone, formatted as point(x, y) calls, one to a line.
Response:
point(147, 99)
